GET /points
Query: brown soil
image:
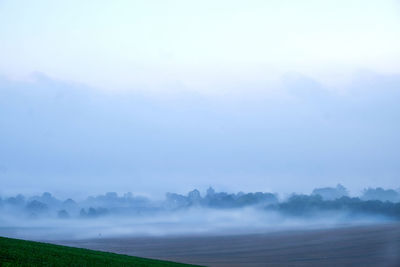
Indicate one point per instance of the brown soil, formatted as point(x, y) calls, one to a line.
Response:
point(377, 245)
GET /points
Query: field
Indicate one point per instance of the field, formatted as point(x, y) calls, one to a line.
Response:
point(15, 252)
point(373, 245)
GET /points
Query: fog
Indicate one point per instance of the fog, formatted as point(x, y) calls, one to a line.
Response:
point(191, 222)
point(45, 217)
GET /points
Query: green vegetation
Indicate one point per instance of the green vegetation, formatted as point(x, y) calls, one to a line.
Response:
point(15, 252)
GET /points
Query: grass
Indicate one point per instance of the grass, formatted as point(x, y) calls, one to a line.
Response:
point(16, 252)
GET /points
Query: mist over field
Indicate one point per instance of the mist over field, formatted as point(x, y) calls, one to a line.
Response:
point(215, 213)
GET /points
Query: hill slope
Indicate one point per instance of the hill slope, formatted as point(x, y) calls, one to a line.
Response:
point(15, 252)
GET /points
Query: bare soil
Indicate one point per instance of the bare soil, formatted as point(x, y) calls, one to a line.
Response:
point(377, 245)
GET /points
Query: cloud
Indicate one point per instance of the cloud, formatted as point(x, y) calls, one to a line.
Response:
point(302, 134)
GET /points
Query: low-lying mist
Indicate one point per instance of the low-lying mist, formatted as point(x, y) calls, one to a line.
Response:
point(213, 213)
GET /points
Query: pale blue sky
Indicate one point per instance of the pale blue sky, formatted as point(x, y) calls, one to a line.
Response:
point(123, 44)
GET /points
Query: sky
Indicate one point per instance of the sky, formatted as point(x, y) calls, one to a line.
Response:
point(156, 96)
point(124, 44)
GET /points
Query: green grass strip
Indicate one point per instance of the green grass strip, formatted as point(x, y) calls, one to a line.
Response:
point(16, 252)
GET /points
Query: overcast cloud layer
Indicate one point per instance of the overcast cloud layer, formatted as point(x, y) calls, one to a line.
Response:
point(59, 136)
